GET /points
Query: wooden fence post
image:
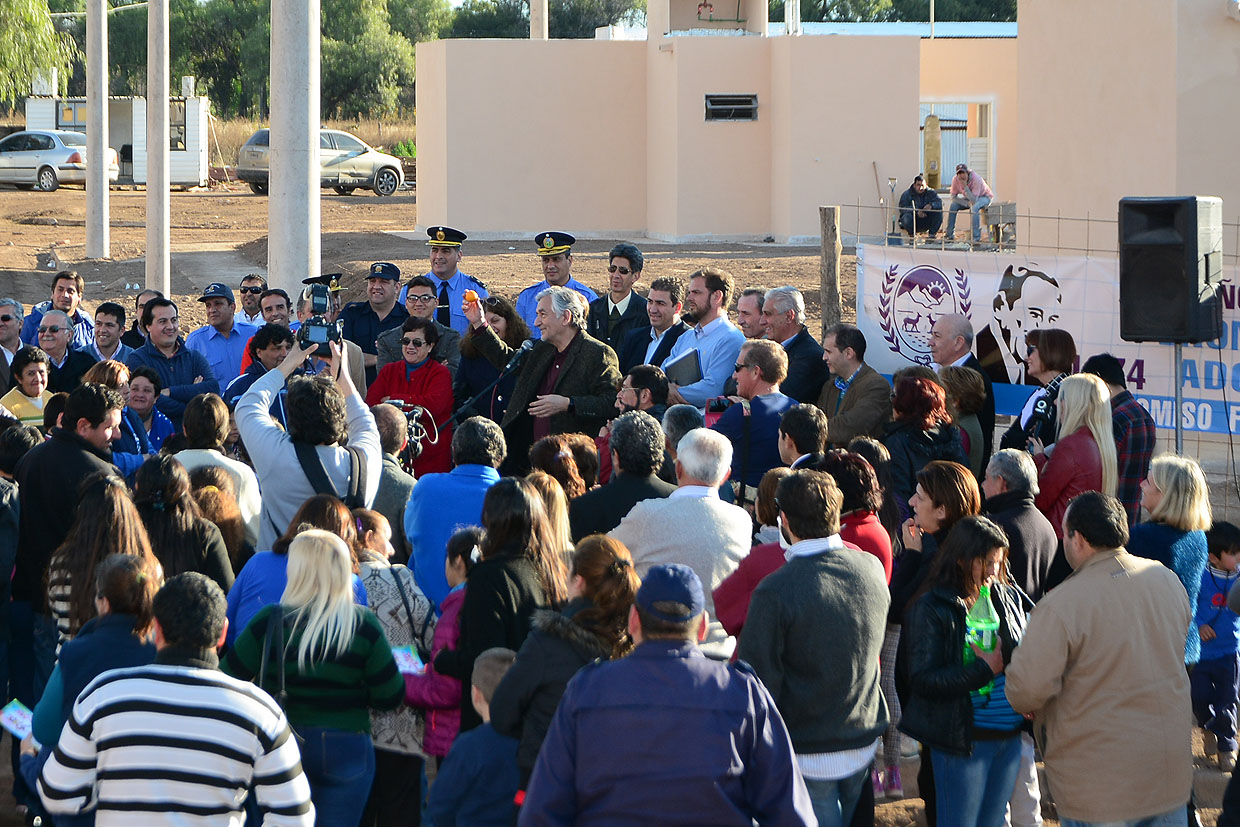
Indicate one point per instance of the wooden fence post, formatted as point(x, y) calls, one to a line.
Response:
point(829, 288)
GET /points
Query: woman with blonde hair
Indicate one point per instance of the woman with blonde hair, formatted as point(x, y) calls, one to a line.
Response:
point(555, 501)
point(334, 666)
point(1083, 458)
point(1177, 498)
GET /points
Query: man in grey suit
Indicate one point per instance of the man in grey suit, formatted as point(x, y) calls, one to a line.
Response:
point(395, 484)
point(11, 313)
point(420, 301)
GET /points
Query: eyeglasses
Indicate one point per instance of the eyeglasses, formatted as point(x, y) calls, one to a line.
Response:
point(6, 318)
point(624, 271)
point(407, 342)
point(623, 390)
point(421, 299)
point(255, 290)
point(739, 367)
point(52, 329)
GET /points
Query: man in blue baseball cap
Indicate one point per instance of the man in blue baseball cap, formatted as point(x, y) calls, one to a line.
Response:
point(362, 322)
point(222, 340)
point(655, 737)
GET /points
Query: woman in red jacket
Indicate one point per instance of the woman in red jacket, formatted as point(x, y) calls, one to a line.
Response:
point(1083, 458)
point(420, 380)
point(859, 523)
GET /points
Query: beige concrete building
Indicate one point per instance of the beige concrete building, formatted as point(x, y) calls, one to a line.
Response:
point(716, 129)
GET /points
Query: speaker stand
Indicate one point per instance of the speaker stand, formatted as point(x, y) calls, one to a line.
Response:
point(1179, 399)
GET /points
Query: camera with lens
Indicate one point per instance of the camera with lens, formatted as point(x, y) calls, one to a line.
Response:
point(718, 404)
point(317, 330)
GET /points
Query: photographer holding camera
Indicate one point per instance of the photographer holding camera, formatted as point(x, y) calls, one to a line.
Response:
point(306, 314)
point(309, 458)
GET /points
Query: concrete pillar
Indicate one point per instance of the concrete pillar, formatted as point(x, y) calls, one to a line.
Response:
point(538, 20)
point(158, 200)
point(293, 215)
point(98, 244)
point(792, 17)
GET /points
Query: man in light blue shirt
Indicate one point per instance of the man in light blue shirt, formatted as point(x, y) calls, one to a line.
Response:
point(556, 251)
point(222, 341)
point(716, 340)
point(450, 283)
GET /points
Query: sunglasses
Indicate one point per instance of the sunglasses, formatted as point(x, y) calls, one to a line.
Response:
point(52, 329)
point(624, 271)
point(421, 299)
point(739, 367)
point(6, 318)
point(1030, 349)
point(255, 290)
point(407, 342)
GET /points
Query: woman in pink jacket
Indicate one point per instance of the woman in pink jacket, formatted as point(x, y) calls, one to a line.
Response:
point(440, 695)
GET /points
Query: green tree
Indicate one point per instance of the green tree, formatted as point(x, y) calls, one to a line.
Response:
point(981, 10)
point(847, 11)
point(420, 20)
point(29, 43)
point(365, 73)
point(579, 18)
point(491, 18)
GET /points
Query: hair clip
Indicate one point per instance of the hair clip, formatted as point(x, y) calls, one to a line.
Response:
point(475, 554)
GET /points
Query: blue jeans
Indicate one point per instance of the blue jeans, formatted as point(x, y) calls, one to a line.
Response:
point(974, 790)
point(834, 801)
point(975, 208)
point(1176, 818)
point(340, 767)
point(1215, 684)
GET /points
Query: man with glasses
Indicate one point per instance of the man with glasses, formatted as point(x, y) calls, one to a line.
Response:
point(10, 337)
point(752, 424)
point(67, 291)
point(69, 364)
point(252, 288)
point(644, 389)
point(448, 283)
point(614, 315)
point(421, 301)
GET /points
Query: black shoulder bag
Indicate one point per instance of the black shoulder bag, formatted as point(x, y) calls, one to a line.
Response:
point(312, 466)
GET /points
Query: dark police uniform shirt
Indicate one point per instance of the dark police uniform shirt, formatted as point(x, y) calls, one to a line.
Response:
point(362, 327)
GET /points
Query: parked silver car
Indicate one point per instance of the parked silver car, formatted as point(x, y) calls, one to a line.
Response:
point(47, 158)
point(346, 161)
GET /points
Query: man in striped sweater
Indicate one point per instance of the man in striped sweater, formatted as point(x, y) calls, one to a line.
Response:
point(178, 741)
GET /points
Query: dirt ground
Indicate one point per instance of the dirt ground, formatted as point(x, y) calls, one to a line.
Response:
point(221, 234)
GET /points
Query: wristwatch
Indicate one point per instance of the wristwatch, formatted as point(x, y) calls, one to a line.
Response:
point(572, 406)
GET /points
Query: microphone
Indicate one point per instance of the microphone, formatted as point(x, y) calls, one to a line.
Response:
point(519, 355)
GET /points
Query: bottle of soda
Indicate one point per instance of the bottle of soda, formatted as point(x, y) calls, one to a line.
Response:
point(981, 626)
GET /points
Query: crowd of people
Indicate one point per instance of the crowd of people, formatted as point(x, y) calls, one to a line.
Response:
point(486, 561)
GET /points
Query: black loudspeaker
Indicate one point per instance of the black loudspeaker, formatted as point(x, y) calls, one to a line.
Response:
point(1170, 265)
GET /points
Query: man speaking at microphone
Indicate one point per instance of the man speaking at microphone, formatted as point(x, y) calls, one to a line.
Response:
point(566, 383)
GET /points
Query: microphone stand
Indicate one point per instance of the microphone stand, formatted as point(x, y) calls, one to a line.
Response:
point(509, 368)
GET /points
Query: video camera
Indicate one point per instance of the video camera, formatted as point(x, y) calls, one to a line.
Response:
point(317, 330)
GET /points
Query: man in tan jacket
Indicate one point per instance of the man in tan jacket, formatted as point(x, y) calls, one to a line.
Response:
point(856, 398)
point(1101, 667)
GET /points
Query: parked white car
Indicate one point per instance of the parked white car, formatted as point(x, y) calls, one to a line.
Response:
point(48, 158)
point(346, 162)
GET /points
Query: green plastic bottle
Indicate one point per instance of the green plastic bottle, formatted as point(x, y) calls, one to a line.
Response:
point(982, 628)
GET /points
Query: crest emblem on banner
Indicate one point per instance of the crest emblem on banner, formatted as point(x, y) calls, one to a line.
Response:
point(913, 300)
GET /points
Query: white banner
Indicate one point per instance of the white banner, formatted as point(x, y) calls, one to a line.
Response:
point(901, 292)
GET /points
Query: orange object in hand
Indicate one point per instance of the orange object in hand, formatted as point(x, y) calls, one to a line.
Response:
point(471, 296)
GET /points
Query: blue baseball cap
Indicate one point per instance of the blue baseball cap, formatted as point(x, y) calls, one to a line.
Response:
point(215, 290)
point(671, 583)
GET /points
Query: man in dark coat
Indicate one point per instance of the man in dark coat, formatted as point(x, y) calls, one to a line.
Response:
point(652, 343)
point(856, 398)
point(48, 478)
point(783, 318)
point(621, 310)
point(566, 383)
point(951, 341)
point(921, 209)
point(636, 453)
point(1010, 485)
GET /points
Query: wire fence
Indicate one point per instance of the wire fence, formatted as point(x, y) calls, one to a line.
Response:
point(1020, 232)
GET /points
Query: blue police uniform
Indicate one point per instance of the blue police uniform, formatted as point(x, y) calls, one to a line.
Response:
point(527, 301)
point(457, 285)
point(362, 326)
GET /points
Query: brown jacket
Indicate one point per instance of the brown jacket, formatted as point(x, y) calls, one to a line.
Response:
point(1102, 667)
point(589, 378)
point(863, 411)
